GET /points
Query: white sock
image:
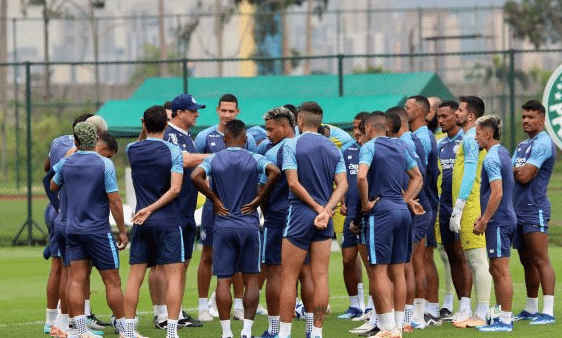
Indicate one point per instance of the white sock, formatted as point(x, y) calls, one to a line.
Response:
point(532, 305)
point(238, 304)
point(374, 320)
point(433, 309)
point(203, 304)
point(87, 309)
point(273, 324)
point(548, 305)
point(180, 316)
point(247, 329)
point(309, 317)
point(448, 301)
point(161, 312)
point(506, 317)
point(386, 321)
point(408, 311)
point(172, 328)
point(399, 319)
point(482, 310)
point(464, 304)
point(80, 323)
point(316, 332)
point(284, 330)
point(370, 304)
point(419, 310)
point(120, 325)
point(64, 322)
point(130, 328)
point(482, 280)
point(354, 302)
point(360, 293)
point(51, 316)
point(225, 325)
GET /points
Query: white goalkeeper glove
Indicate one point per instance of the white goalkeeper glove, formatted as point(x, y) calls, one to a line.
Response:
point(455, 222)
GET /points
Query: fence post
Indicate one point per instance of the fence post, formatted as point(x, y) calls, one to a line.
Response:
point(16, 104)
point(185, 75)
point(340, 75)
point(512, 97)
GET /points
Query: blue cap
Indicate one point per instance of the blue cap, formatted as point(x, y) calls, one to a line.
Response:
point(185, 101)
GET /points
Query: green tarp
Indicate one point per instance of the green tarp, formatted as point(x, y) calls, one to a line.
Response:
point(362, 92)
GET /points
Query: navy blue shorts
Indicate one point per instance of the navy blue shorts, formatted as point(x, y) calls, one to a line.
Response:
point(349, 239)
point(236, 250)
point(420, 224)
point(300, 229)
point(189, 233)
point(60, 237)
point(50, 215)
point(523, 229)
point(389, 236)
point(207, 222)
point(362, 237)
point(101, 249)
point(430, 241)
point(447, 236)
point(499, 239)
point(271, 245)
point(156, 245)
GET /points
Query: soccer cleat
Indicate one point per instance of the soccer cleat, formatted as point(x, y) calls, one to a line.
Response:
point(163, 325)
point(189, 317)
point(496, 326)
point(446, 315)
point(365, 316)
point(89, 334)
point(299, 311)
point(352, 312)
point(261, 310)
point(55, 331)
point(461, 316)
point(542, 319)
point(372, 332)
point(470, 322)
point(138, 335)
point(47, 328)
point(99, 322)
point(407, 328)
point(205, 316)
point(525, 315)
point(419, 326)
point(432, 321)
point(328, 310)
point(188, 322)
point(238, 314)
point(244, 336)
point(266, 334)
point(387, 334)
point(362, 329)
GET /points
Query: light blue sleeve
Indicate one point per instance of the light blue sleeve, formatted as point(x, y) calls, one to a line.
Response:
point(492, 165)
point(426, 143)
point(290, 154)
point(263, 146)
point(541, 151)
point(514, 158)
point(339, 136)
point(177, 157)
point(251, 143)
point(410, 158)
point(109, 176)
point(367, 153)
point(340, 167)
point(262, 162)
point(471, 150)
point(206, 164)
point(58, 179)
point(271, 156)
point(201, 140)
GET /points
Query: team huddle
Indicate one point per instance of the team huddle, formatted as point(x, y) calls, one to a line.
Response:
point(412, 179)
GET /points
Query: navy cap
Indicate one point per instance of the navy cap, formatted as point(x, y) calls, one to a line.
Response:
point(185, 101)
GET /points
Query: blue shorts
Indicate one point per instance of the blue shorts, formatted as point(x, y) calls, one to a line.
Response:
point(498, 239)
point(523, 229)
point(188, 233)
point(389, 236)
point(157, 245)
point(207, 222)
point(101, 249)
point(271, 245)
point(300, 229)
point(349, 239)
point(60, 238)
point(447, 236)
point(236, 250)
point(420, 224)
point(50, 215)
point(430, 241)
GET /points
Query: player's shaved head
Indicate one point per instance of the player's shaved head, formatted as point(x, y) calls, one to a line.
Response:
point(422, 102)
point(235, 128)
point(377, 121)
point(311, 114)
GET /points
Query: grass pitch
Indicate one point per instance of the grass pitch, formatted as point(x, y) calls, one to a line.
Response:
point(23, 276)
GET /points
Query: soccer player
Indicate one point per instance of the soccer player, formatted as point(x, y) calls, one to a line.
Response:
point(498, 219)
point(533, 163)
point(234, 174)
point(382, 162)
point(417, 108)
point(184, 116)
point(351, 265)
point(211, 140)
point(311, 164)
point(91, 192)
point(447, 150)
point(466, 194)
point(157, 238)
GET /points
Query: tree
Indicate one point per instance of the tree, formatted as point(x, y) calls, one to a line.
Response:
point(538, 20)
point(150, 69)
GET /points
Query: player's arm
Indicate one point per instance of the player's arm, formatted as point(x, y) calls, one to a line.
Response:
point(415, 185)
point(273, 173)
point(340, 179)
point(469, 175)
point(47, 164)
point(192, 160)
point(496, 194)
point(297, 188)
point(199, 179)
point(525, 173)
point(363, 187)
point(51, 195)
point(540, 152)
point(175, 188)
point(116, 207)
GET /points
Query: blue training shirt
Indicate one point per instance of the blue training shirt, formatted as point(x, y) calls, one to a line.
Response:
point(417, 152)
point(497, 166)
point(88, 177)
point(234, 174)
point(350, 154)
point(530, 200)
point(317, 160)
point(188, 194)
point(278, 200)
point(387, 159)
point(153, 161)
point(59, 147)
point(447, 150)
point(211, 140)
point(429, 144)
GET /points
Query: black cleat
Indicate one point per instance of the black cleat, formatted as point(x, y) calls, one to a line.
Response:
point(446, 315)
point(371, 332)
point(97, 321)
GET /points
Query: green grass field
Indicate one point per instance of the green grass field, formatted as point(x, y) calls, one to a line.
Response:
point(23, 276)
